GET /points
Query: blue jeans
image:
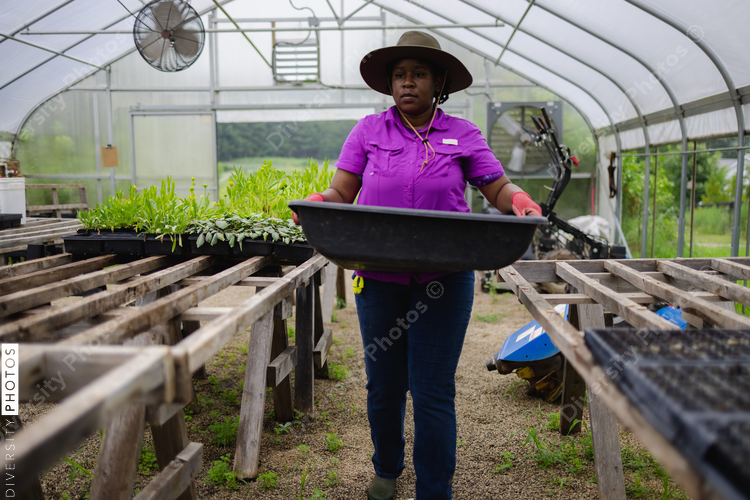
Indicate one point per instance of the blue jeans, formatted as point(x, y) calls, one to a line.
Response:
point(413, 335)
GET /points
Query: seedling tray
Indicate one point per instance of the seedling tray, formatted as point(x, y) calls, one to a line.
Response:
point(127, 243)
point(220, 248)
point(401, 239)
point(252, 248)
point(295, 252)
point(163, 246)
point(83, 244)
point(8, 221)
point(693, 386)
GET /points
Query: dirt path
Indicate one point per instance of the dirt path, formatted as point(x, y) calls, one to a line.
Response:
point(495, 417)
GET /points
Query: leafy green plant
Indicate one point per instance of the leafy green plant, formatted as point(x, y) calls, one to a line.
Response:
point(225, 433)
point(290, 333)
point(333, 441)
point(77, 469)
point(334, 318)
point(337, 372)
point(333, 478)
point(553, 421)
point(221, 474)
point(283, 428)
point(340, 302)
point(506, 462)
point(230, 396)
point(636, 489)
point(268, 480)
point(147, 462)
point(318, 495)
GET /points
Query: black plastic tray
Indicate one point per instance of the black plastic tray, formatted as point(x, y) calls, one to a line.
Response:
point(252, 248)
point(401, 239)
point(693, 386)
point(10, 220)
point(83, 244)
point(127, 243)
point(220, 248)
point(295, 252)
point(163, 246)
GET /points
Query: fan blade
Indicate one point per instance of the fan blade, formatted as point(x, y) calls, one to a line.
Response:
point(167, 14)
point(152, 46)
point(187, 42)
point(517, 157)
point(509, 125)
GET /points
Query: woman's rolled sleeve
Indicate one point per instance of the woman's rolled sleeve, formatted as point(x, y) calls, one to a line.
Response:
point(353, 156)
point(481, 162)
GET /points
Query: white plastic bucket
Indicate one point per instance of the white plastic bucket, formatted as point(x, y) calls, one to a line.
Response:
point(13, 196)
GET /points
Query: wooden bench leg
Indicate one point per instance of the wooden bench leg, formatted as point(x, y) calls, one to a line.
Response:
point(283, 403)
point(607, 458)
point(254, 397)
point(169, 440)
point(318, 327)
point(189, 327)
point(118, 457)
point(304, 335)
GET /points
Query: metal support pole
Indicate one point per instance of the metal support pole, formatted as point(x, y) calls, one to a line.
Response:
point(653, 210)
point(108, 75)
point(97, 148)
point(692, 194)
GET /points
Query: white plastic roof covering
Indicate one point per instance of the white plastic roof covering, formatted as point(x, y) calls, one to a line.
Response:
point(603, 79)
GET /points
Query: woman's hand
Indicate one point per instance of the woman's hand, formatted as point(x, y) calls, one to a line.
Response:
point(312, 197)
point(523, 205)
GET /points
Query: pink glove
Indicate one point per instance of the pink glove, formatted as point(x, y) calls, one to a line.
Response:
point(312, 197)
point(523, 205)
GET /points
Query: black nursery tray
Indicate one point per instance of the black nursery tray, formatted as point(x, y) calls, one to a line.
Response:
point(163, 246)
point(83, 244)
point(126, 243)
point(220, 248)
point(402, 239)
point(8, 221)
point(295, 252)
point(693, 386)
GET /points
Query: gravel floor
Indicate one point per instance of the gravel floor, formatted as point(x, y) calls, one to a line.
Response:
point(494, 419)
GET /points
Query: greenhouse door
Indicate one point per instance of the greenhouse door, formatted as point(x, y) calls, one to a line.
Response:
point(178, 145)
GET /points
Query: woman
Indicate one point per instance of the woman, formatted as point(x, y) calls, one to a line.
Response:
point(413, 324)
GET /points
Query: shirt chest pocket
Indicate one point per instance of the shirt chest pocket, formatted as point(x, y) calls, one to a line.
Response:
point(447, 161)
point(383, 159)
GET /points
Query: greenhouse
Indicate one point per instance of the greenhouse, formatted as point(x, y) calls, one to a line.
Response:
point(194, 128)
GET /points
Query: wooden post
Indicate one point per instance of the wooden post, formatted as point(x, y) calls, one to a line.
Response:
point(282, 394)
point(573, 391)
point(189, 327)
point(341, 284)
point(254, 397)
point(329, 299)
point(607, 458)
point(304, 334)
point(56, 201)
point(318, 327)
point(10, 426)
point(169, 440)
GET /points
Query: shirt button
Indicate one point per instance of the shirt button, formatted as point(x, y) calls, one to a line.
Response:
point(411, 162)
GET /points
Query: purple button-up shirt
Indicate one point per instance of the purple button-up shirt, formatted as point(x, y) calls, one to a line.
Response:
point(388, 156)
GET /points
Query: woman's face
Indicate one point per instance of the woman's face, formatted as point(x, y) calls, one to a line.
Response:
point(414, 86)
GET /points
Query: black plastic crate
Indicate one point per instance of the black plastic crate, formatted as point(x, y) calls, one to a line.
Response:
point(122, 242)
point(163, 246)
point(295, 252)
point(8, 221)
point(693, 386)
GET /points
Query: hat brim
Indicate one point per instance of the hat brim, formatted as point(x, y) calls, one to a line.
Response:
point(373, 66)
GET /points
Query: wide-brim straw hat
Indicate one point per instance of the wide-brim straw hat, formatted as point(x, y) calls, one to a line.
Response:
point(412, 45)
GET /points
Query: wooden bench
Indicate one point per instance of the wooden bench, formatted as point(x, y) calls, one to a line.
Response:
point(56, 207)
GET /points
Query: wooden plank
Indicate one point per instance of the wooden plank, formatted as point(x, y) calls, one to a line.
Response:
point(570, 343)
point(705, 310)
point(322, 348)
point(319, 357)
point(341, 284)
point(543, 271)
point(204, 343)
point(573, 390)
point(56, 207)
point(203, 313)
point(42, 444)
point(55, 186)
point(72, 227)
point(20, 301)
point(634, 314)
point(610, 479)
point(329, 292)
point(33, 266)
point(169, 440)
point(139, 319)
point(25, 229)
point(34, 239)
point(304, 375)
point(731, 268)
point(30, 328)
point(715, 284)
point(281, 366)
point(175, 478)
point(284, 309)
point(638, 297)
point(247, 451)
point(45, 276)
point(261, 281)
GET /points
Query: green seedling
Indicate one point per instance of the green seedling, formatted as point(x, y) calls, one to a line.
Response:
point(636, 489)
point(333, 478)
point(337, 372)
point(459, 442)
point(340, 302)
point(290, 333)
point(221, 474)
point(283, 428)
point(318, 495)
point(225, 433)
point(147, 462)
point(268, 480)
point(333, 442)
point(334, 318)
point(553, 421)
point(506, 462)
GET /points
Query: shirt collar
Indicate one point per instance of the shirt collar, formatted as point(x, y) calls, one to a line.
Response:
point(440, 122)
